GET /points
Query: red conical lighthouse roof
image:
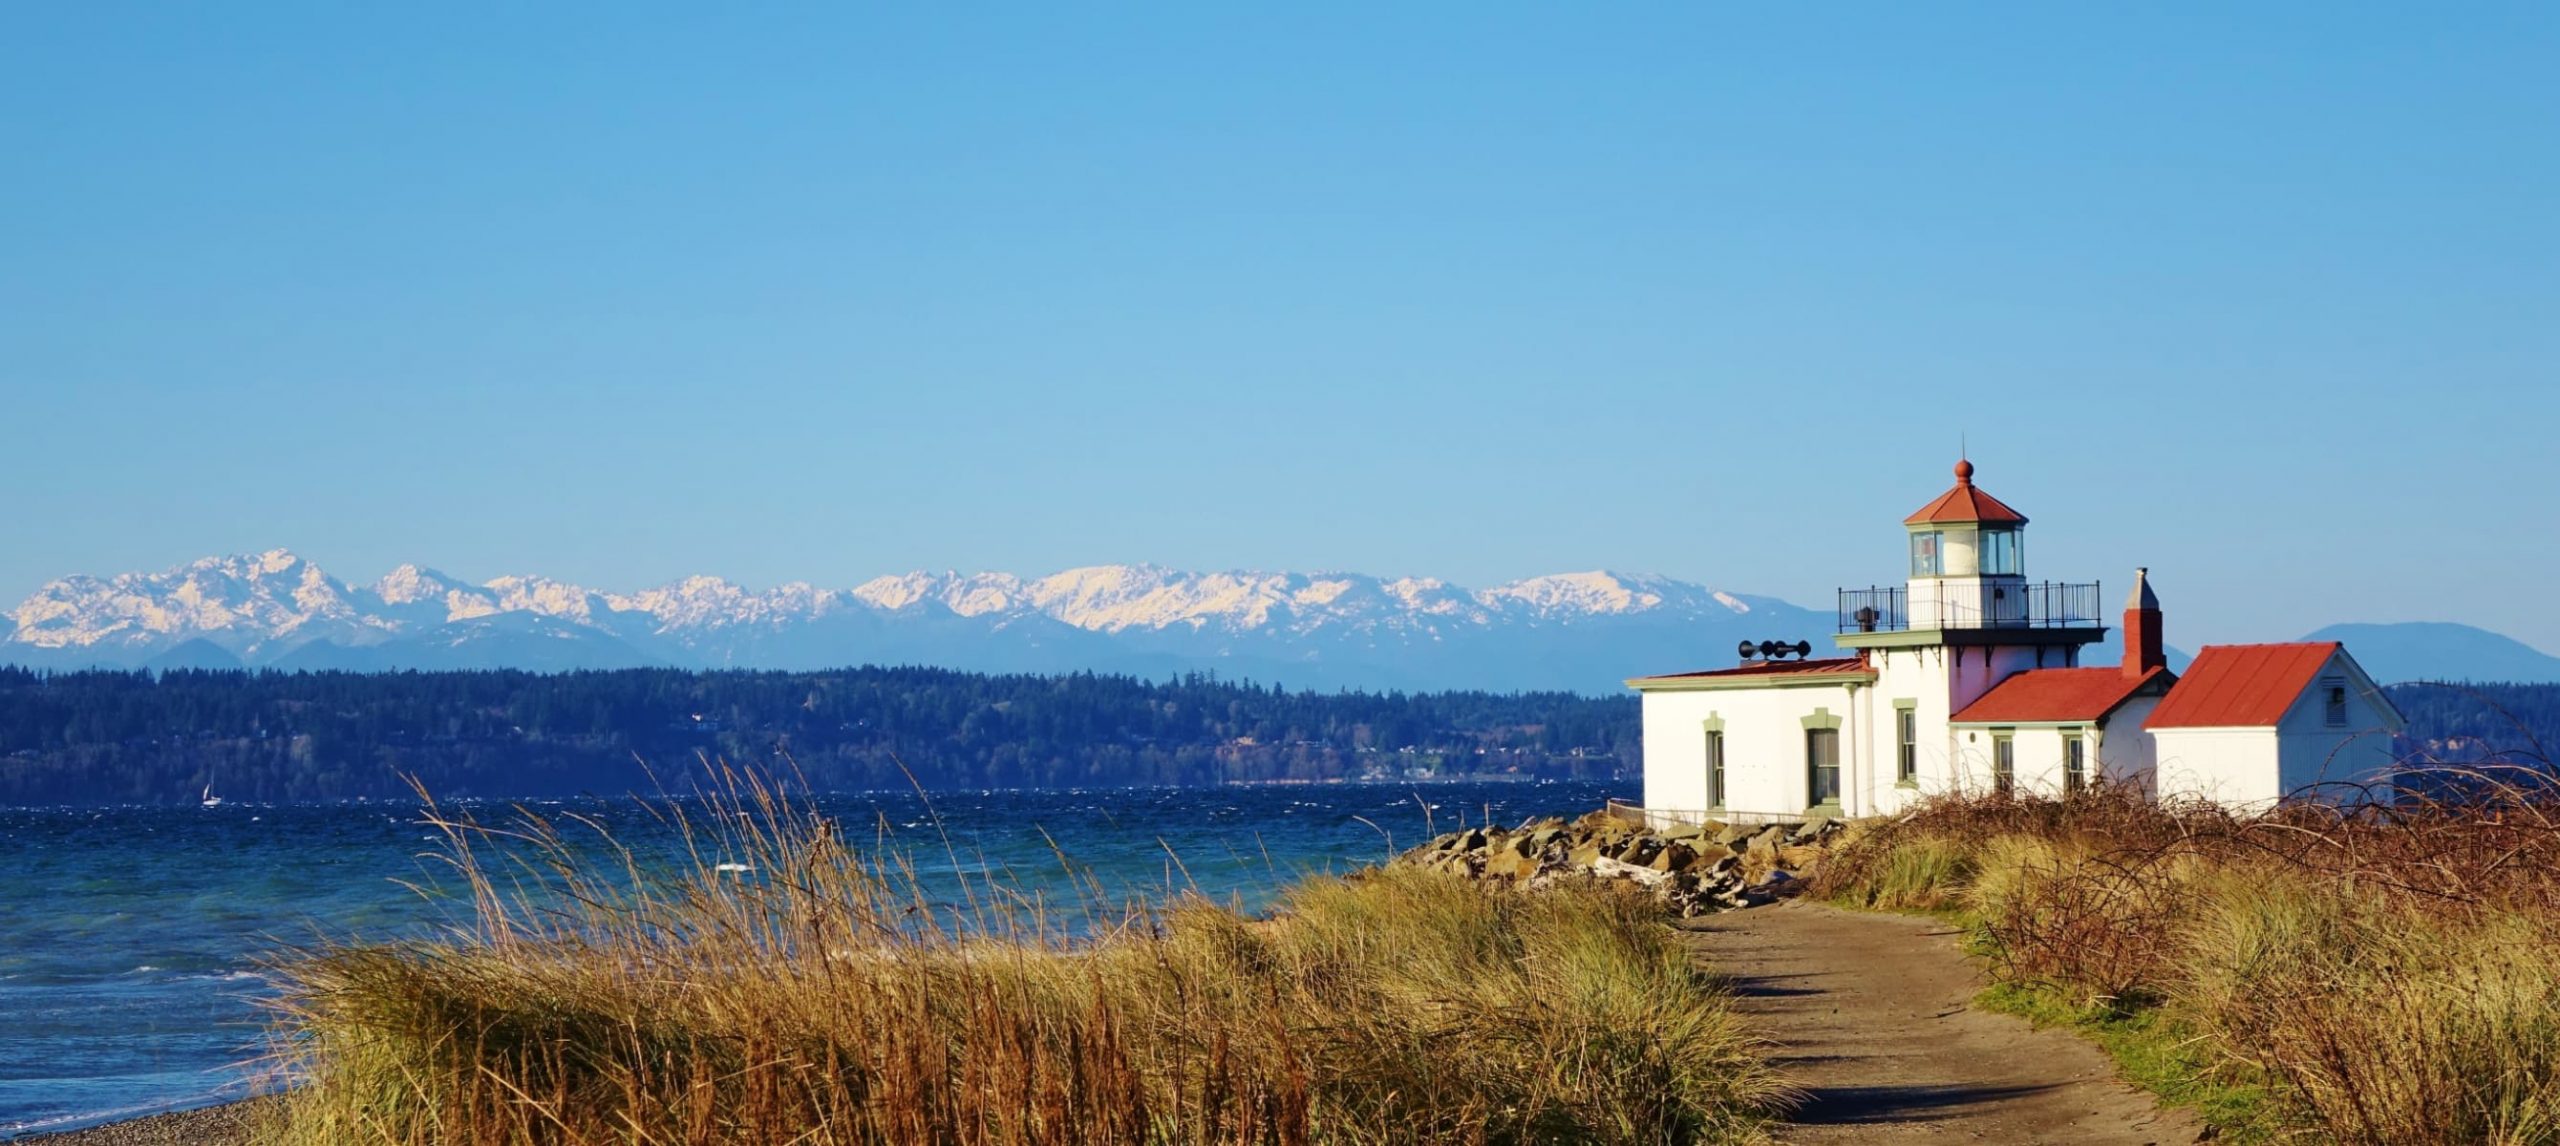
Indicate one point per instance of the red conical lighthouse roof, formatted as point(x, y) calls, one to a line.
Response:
point(1965, 504)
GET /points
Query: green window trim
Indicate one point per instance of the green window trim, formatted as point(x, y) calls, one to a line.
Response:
point(1906, 742)
point(1711, 735)
point(1822, 770)
point(1822, 718)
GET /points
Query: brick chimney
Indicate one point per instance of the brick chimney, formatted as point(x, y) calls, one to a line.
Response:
point(2143, 651)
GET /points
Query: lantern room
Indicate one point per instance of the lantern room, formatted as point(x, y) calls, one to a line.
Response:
point(1966, 533)
point(1967, 573)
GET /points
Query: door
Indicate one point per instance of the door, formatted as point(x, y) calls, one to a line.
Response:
point(1822, 764)
point(2004, 765)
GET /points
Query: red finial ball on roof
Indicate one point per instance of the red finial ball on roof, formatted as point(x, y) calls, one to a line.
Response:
point(1964, 472)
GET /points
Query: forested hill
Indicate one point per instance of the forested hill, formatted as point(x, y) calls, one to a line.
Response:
point(119, 737)
point(139, 737)
point(2517, 723)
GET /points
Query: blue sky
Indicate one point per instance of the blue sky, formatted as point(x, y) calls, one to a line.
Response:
point(2266, 300)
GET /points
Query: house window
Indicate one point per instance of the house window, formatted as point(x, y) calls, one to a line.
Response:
point(2000, 552)
point(2004, 764)
point(2333, 695)
point(1822, 764)
point(1924, 554)
point(1715, 769)
point(2075, 765)
point(1906, 746)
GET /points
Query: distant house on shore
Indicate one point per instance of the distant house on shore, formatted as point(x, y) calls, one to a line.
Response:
point(1967, 677)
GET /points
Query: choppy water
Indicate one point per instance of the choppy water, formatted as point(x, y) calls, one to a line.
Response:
point(130, 938)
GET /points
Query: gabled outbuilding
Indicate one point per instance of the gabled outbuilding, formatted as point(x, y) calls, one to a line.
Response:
point(2248, 725)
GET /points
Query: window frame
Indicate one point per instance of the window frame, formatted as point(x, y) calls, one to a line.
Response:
point(2004, 763)
point(1715, 769)
point(1937, 547)
point(2075, 763)
point(1906, 744)
point(2333, 701)
point(1813, 767)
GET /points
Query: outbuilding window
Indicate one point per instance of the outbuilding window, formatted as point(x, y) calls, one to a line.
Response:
point(2075, 763)
point(2333, 695)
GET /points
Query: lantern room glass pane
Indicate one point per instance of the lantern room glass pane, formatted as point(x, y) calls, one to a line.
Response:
point(2000, 552)
point(1924, 554)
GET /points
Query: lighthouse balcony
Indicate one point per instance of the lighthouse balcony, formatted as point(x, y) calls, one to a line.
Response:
point(2046, 605)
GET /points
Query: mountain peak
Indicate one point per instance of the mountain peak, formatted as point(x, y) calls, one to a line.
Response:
point(1314, 627)
point(411, 583)
point(1596, 592)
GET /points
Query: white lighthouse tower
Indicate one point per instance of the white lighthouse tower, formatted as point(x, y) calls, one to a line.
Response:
point(1966, 619)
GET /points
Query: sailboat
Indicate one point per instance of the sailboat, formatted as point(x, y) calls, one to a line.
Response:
point(211, 800)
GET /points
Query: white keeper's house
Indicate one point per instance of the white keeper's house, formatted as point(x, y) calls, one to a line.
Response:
point(1968, 677)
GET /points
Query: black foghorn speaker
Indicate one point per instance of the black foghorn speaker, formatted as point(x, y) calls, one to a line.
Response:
point(1749, 650)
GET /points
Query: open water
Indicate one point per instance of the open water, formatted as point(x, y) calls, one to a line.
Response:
point(132, 939)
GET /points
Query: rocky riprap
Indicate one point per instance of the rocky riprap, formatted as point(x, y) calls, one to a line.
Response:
point(1693, 868)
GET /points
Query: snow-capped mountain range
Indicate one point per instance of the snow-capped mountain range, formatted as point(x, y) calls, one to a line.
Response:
point(1581, 631)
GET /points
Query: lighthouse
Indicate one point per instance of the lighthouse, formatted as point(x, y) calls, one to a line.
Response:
point(1967, 677)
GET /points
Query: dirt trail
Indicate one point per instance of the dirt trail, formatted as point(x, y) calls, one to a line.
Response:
point(1873, 1013)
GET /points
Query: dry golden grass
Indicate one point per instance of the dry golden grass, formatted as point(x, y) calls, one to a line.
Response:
point(2383, 973)
point(820, 998)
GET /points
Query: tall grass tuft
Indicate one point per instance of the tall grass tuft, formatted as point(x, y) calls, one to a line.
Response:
point(776, 986)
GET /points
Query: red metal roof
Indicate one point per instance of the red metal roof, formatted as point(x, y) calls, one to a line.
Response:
point(1778, 669)
point(1965, 503)
point(2243, 686)
point(2056, 694)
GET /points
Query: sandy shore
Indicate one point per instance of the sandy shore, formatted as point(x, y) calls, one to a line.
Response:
point(225, 1125)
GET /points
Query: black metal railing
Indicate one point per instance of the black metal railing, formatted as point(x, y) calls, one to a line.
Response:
point(2043, 605)
point(1874, 610)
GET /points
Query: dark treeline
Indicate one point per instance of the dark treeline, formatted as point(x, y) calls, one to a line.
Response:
point(118, 737)
point(137, 737)
point(2519, 723)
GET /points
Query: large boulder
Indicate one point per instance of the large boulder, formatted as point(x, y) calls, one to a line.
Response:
point(1508, 863)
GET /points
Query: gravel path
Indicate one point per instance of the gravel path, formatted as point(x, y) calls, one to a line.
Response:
point(1873, 1014)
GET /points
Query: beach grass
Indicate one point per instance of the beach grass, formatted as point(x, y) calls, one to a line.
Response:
point(2375, 974)
point(774, 985)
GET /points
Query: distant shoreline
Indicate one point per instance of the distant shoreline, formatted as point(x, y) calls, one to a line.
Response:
point(223, 1124)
